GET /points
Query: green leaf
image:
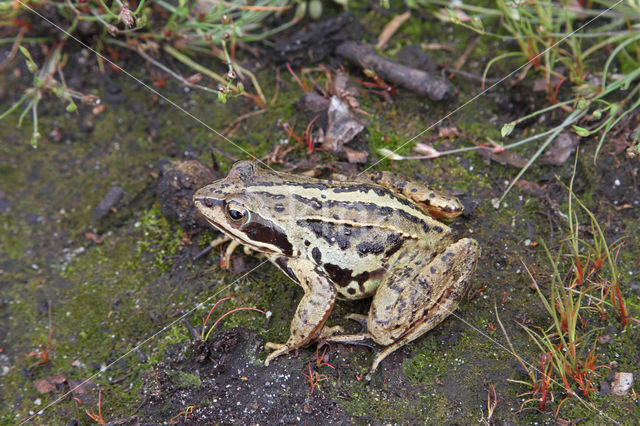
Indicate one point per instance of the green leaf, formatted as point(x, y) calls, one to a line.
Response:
point(507, 129)
point(477, 25)
point(31, 65)
point(583, 103)
point(34, 139)
point(72, 107)
point(581, 131)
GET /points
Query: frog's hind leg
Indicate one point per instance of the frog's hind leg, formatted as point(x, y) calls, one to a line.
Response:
point(403, 309)
point(436, 203)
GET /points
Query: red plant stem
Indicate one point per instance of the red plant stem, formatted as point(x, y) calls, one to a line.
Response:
point(302, 86)
point(204, 323)
point(235, 310)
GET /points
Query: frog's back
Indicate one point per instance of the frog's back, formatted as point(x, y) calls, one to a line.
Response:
point(354, 231)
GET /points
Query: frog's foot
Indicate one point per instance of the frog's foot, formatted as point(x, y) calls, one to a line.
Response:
point(401, 312)
point(283, 348)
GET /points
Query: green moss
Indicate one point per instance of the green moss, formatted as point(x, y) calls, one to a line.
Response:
point(160, 239)
point(182, 380)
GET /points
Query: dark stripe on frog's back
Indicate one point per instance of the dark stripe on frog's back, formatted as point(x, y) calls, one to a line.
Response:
point(363, 240)
point(357, 207)
point(377, 194)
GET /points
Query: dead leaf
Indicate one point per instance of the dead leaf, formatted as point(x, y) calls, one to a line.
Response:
point(91, 236)
point(354, 156)
point(448, 132)
point(506, 158)
point(606, 338)
point(48, 384)
point(561, 149)
point(98, 109)
point(44, 386)
point(347, 93)
point(342, 127)
point(532, 187)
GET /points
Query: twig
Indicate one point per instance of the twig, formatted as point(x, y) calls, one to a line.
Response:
point(465, 55)
point(390, 29)
point(231, 125)
point(14, 49)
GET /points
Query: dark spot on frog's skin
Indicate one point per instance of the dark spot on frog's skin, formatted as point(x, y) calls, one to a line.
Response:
point(323, 196)
point(397, 242)
point(314, 186)
point(414, 190)
point(307, 243)
point(279, 207)
point(335, 216)
point(317, 256)
point(331, 233)
point(366, 247)
point(344, 276)
point(438, 229)
point(414, 219)
point(448, 255)
point(304, 316)
point(270, 195)
point(424, 284)
point(268, 232)
point(351, 291)
point(283, 264)
point(433, 270)
point(340, 276)
point(432, 195)
point(311, 202)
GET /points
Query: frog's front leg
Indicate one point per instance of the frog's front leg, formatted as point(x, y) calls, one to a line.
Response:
point(314, 307)
point(406, 307)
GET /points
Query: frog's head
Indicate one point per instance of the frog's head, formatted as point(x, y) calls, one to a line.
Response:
point(229, 206)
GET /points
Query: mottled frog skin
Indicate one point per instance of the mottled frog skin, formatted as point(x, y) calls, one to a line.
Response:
point(376, 236)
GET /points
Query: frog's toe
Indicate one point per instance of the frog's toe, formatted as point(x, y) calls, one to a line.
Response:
point(359, 318)
point(329, 331)
point(278, 348)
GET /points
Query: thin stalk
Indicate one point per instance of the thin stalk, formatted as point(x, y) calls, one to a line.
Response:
point(572, 118)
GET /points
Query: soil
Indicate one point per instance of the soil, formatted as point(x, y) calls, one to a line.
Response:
point(87, 255)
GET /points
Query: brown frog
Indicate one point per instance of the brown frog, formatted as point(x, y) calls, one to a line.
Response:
point(376, 236)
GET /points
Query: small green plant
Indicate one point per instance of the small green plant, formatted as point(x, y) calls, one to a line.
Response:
point(97, 417)
point(192, 33)
point(584, 281)
point(42, 353)
point(44, 80)
point(567, 43)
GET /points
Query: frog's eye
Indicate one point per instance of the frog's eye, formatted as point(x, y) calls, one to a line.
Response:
point(236, 212)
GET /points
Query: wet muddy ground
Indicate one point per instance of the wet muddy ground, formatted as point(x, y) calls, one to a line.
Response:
point(88, 258)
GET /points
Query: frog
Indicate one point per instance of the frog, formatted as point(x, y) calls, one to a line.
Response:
point(379, 235)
